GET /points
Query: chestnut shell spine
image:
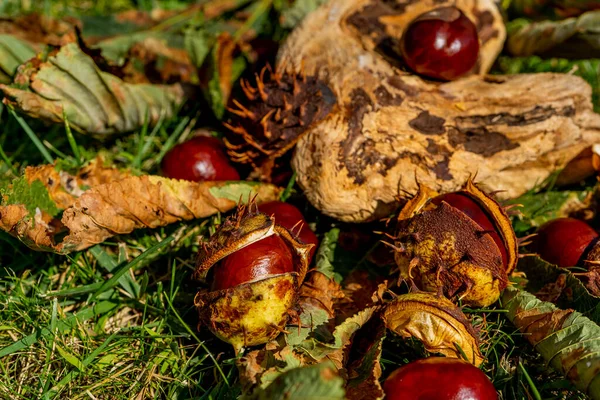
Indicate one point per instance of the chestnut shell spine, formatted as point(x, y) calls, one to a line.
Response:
point(276, 113)
point(254, 312)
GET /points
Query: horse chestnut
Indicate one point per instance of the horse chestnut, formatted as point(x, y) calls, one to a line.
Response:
point(290, 217)
point(565, 241)
point(269, 256)
point(441, 44)
point(461, 244)
point(439, 378)
point(201, 158)
point(254, 269)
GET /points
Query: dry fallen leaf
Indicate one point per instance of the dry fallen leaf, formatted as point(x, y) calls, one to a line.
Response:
point(566, 339)
point(49, 85)
point(98, 203)
point(39, 30)
point(435, 321)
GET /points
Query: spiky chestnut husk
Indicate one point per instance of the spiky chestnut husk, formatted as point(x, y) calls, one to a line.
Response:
point(440, 248)
point(277, 112)
point(254, 312)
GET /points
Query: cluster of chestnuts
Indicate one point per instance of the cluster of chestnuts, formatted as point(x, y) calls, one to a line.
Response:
point(460, 245)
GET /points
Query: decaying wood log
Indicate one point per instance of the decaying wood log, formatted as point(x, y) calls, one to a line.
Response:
point(391, 128)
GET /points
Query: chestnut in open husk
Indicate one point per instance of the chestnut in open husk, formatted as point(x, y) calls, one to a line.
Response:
point(460, 244)
point(254, 268)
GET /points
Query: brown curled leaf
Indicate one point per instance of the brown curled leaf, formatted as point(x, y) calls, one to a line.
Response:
point(363, 361)
point(565, 287)
point(437, 322)
point(113, 204)
point(49, 85)
point(64, 188)
point(38, 30)
point(567, 340)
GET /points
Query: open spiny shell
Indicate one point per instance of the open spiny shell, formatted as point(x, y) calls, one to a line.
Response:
point(436, 322)
point(439, 248)
point(254, 312)
point(276, 113)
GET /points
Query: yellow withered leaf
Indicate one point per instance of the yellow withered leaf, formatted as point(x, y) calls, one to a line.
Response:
point(435, 321)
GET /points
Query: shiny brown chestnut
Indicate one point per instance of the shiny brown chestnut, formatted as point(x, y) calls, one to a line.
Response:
point(441, 44)
point(290, 217)
point(565, 241)
point(439, 378)
point(201, 158)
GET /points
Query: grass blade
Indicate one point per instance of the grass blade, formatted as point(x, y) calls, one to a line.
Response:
point(105, 260)
point(71, 140)
point(36, 141)
point(114, 280)
point(61, 326)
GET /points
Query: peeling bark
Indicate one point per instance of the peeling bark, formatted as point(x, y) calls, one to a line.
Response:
point(390, 127)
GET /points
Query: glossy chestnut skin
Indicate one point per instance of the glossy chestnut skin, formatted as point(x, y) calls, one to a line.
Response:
point(564, 241)
point(201, 158)
point(285, 214)
point(267, 257)
point(439, 378)
point(441, 44)
point(474, 211)
point(288, 216)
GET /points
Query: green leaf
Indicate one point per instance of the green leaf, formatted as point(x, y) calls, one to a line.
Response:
point(541, 207)
point(32, 195)
point(571, 37)
point(306, 383)
point(13, 52)
point(326, 255)
point(198, 44)
point(567, 340)
point(310, 318)
point(236, 191)
point(341, 335)
point(95, 102)
point(574, 294)
point(222, 68)
point(294, 14)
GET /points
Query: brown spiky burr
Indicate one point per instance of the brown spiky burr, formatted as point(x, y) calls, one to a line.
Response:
point(274, 116)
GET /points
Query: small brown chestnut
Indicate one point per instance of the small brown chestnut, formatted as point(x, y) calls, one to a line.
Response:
point(441, 44)
point(201, 158)
point(439, 378)
point(565, 241)
point(474, 211)
point(289, 217)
